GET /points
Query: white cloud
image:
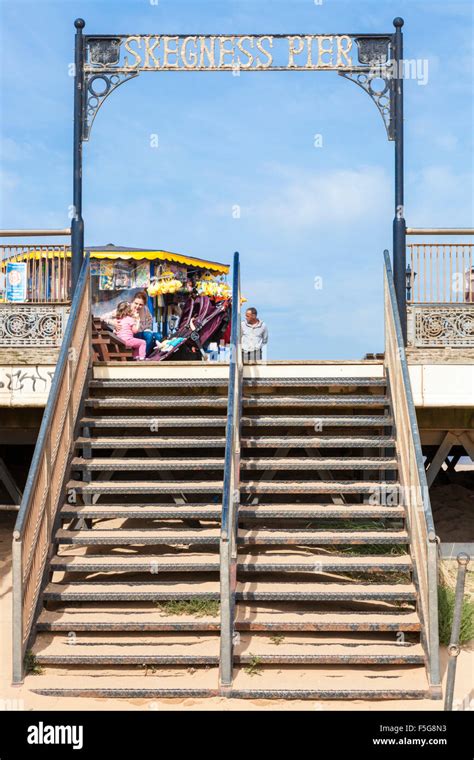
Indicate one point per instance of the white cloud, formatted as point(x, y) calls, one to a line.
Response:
point(302, 199)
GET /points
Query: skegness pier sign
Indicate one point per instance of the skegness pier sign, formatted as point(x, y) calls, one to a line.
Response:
point(307, 52)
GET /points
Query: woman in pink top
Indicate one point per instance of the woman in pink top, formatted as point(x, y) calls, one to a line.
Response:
point(126, 327)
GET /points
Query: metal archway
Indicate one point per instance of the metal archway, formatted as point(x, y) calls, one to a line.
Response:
point(373, 61)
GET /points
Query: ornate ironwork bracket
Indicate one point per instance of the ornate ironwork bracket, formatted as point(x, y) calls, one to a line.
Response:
point(374, 53)
point(99, 81)
point(97, 88)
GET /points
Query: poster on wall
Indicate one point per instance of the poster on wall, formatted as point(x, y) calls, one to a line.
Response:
point(16, 281)
point(106, 280)
point(95, 267)
point(142, 275)
point(122, 275)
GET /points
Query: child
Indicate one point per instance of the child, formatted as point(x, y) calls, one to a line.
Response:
point(126, 327)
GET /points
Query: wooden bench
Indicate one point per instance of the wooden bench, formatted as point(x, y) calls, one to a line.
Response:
point(107, 346)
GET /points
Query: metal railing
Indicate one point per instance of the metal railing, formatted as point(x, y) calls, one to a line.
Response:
point(440, 273)
point(414, 488)
point(231, 490)
point(48, 271)
point(454, 650)
point(32, 536)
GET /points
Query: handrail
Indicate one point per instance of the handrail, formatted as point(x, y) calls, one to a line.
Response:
point(36, 233)
point(412, 476)
point(231, 491)
point(37, 514)
point(439, 231)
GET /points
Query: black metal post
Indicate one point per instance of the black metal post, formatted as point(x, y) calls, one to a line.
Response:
point(77, 223)
point(399, 224)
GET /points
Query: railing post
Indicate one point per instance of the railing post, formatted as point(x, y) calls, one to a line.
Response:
point(17, 610)
point(399, 224)
point(433, 639)
point(230, 495)
point(453, 649)
point(77, 223)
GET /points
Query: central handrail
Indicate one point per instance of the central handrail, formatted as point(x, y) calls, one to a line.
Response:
point(231, 490)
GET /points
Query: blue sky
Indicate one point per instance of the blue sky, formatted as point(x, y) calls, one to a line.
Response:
point(306, 212)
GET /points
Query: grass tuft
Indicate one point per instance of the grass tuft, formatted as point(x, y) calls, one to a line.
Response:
point(200, 607)
point(31, 665)
point(446, 597)
point(254, 668)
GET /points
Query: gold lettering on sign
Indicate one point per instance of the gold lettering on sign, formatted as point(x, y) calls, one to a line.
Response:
point(149, 53)
point(309, 44)
point(344, 46)
point(135, 53)
point(214, 52)
point(223, 51)
point(190, 59)
point(266, 53)
point(240, 43)
point(293, 50)
point(167, 51)
point(323, 64)
point(207, 49)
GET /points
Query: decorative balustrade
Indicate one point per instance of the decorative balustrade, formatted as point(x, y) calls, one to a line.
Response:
point(440, 295)
point(32, 324)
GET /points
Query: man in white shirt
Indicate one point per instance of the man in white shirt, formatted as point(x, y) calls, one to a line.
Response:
point(254, 335)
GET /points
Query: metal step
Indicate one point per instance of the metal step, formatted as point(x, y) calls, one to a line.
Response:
point(147, 464)
point(155, 442)
point(254, 511)
point(324, 442)
point(249, 617)
point(329, 400)
point(217, 463)
point(145, 487)
point(319, 463)
point(288, 537)
point(157, 590)
point(210, 563)
point(316, 592)
point(276, 618)
point(323, 421)
point(154, 591)
point(126, 537)
point(144, 649)
point(175, 421)
point(392, 489)
point(160, 422)
point(376, 382)
point(351, 683)
point(136, 564)
point(155, 402)
point(320, 511)
point(125, 617)
point(166, 383)
point(316, 382)
point(181, 536)
point(182, 649)
point(144, 511)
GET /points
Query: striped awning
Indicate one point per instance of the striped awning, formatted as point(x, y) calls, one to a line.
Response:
point(117, 252)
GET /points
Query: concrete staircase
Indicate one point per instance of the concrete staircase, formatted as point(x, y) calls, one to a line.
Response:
point(326, 607)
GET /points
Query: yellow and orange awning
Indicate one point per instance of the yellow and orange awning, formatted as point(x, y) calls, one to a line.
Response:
point(43, 252)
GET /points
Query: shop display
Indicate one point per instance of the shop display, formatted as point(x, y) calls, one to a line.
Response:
point(107, 275)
